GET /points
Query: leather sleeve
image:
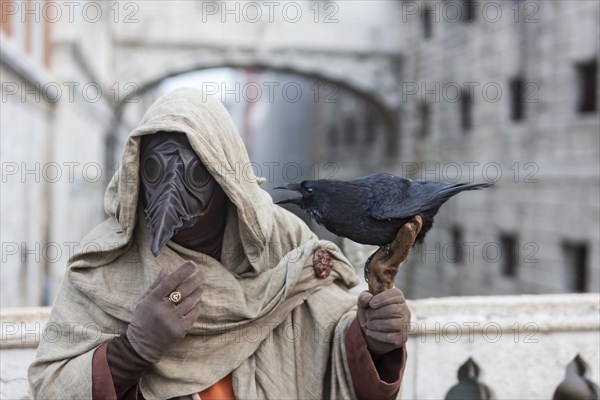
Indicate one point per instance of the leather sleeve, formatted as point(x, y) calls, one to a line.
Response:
point(116, 370)
point(373, 376)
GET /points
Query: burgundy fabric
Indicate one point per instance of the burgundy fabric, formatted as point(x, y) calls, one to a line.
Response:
point(126, 367)
point(373, 377)
point(102, 380)
point(103, 385)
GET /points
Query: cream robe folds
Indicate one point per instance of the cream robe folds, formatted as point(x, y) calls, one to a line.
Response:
point(265, 316)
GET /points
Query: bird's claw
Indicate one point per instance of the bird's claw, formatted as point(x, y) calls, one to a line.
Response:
point(367, 267)
point(387, 249)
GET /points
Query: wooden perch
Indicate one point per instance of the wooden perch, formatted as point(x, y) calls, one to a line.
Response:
point(381, 268)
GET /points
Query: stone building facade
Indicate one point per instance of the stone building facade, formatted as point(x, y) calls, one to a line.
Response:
point(57, 127)
point(504, 92)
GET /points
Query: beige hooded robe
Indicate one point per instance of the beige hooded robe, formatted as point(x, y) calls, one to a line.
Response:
point(265, 316)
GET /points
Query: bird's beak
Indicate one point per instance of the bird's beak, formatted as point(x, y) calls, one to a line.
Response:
point(290, 186)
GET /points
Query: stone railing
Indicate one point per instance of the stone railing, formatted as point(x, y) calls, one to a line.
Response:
point(519, 347)
point(505, 347)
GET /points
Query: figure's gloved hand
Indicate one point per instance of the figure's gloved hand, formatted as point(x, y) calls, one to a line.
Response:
point(158, 323)
point(384, 320)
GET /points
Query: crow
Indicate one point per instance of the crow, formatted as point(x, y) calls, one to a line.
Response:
point(372, 209)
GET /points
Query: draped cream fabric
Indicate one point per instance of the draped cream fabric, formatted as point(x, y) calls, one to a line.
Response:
point(265, 316)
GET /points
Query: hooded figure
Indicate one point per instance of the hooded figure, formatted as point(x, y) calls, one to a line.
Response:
point(265, 320)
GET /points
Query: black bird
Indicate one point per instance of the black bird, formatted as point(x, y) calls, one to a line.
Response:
point(371, 209)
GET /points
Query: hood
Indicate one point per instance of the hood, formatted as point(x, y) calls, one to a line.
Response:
point(213, 136)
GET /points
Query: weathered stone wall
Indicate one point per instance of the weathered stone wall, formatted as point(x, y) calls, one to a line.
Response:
point(57, 120)
point(545, 165)
point(24, 193)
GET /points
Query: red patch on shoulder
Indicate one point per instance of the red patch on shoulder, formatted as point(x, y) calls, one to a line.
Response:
point(322, 263)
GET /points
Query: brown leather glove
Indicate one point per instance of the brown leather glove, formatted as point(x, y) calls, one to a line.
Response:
point(158, 323)
point(384, 320)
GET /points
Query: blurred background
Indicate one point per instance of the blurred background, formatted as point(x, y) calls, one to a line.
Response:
point(504, 92)
point(447, 90)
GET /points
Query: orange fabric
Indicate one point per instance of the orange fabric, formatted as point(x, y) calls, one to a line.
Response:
point(222, 390)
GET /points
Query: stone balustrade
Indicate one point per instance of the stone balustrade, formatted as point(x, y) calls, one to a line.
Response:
point(505, 347)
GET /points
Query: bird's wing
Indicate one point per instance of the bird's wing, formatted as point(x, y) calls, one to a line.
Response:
point(401, 198)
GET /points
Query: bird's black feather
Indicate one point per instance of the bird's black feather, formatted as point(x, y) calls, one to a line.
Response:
point(372, 209)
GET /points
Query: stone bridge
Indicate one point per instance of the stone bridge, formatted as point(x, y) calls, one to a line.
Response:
point(303, 37)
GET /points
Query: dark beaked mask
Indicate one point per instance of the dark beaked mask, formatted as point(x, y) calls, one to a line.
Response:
point(181, 199)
